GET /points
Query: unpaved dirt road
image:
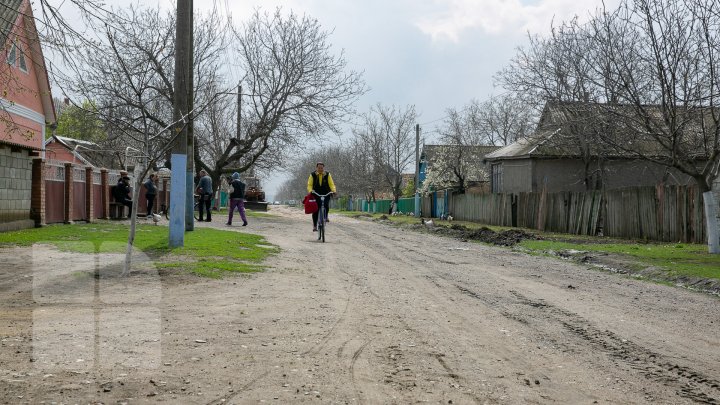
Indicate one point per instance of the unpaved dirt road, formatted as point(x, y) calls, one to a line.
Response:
point(375, 315)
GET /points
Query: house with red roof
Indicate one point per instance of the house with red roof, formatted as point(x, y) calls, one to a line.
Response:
point(26, 113)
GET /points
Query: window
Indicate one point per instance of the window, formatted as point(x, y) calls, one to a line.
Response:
point(16, 57)
point(497, 172)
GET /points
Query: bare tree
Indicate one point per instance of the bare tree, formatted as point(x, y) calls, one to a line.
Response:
point(674, 97)
point(503, 119)
point(127, 73)
point(294, 89)
point(468, 134)
point(652, 65)
point(388, 133)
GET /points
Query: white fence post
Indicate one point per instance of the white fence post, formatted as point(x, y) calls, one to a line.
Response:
point(711, 217)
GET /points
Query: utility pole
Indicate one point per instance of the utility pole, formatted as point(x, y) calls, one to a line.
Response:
point(190, 172)
point(239, 109)
point(417, 170)
point(181, 107)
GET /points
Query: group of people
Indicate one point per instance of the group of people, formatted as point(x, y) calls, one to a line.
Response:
point(204, 190)
point(237, 197)
point(320, 182)
point(122, 191)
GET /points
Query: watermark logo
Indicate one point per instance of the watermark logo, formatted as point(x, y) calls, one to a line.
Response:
point(87, 316)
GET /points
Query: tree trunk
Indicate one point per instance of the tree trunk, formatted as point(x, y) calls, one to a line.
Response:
point(133, 224)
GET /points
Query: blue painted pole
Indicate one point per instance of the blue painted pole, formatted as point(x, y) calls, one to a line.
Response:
point(177, 200)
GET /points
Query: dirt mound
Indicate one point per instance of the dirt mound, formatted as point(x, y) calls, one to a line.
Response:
point(509, 237)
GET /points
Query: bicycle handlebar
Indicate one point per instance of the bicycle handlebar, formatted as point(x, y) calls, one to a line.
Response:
point(322, 195)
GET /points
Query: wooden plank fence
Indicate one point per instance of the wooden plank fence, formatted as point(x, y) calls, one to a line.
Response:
point(662, 213)
point(491, 209)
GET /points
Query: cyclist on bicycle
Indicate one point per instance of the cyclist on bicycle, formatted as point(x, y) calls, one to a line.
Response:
point(321, 182)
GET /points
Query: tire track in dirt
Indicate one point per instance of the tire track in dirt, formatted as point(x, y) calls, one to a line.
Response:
point(393, 252)
point(686, 382)
point(429, 284)
point(689, 383)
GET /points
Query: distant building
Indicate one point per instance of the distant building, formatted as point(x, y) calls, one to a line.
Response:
point(565, 154)
point(455, 167)
point(79, 152)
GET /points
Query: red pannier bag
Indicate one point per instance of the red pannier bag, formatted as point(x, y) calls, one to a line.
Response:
point(310, 203)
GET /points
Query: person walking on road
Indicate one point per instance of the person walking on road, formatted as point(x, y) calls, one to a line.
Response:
point(205, 191)
point(321, 182)
point(237, 199)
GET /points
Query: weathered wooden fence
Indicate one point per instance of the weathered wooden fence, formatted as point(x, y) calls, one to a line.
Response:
point(663, 213)
point(666, 213)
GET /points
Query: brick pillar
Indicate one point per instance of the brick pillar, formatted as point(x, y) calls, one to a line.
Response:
point(37, 199)
point(105, 187)
point(69, 178)
point(89, 193)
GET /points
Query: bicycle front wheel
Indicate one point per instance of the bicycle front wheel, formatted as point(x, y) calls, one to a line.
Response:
point(321, 229)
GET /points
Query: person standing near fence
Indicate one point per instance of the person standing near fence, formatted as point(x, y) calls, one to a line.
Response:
point(205, 191)
point(237, 199)
point(150, 193)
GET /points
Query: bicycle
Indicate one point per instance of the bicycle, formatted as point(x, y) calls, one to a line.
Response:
point(165, 210)
point(321, 215)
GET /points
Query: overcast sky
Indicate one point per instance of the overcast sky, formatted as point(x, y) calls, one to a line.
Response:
point(434, 54)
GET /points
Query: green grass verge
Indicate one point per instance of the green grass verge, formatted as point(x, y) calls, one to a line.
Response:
point(677, 259)
point(207, 252)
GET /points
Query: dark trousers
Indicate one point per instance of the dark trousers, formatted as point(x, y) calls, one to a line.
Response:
point(204, 206)
point(326, 203)
point(150, 202)
point(128, 203)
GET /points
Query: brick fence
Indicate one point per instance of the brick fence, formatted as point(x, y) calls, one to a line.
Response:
point(64, 193)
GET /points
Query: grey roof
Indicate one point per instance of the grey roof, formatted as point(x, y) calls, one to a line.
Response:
point(9, 10)
point(610, 130)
